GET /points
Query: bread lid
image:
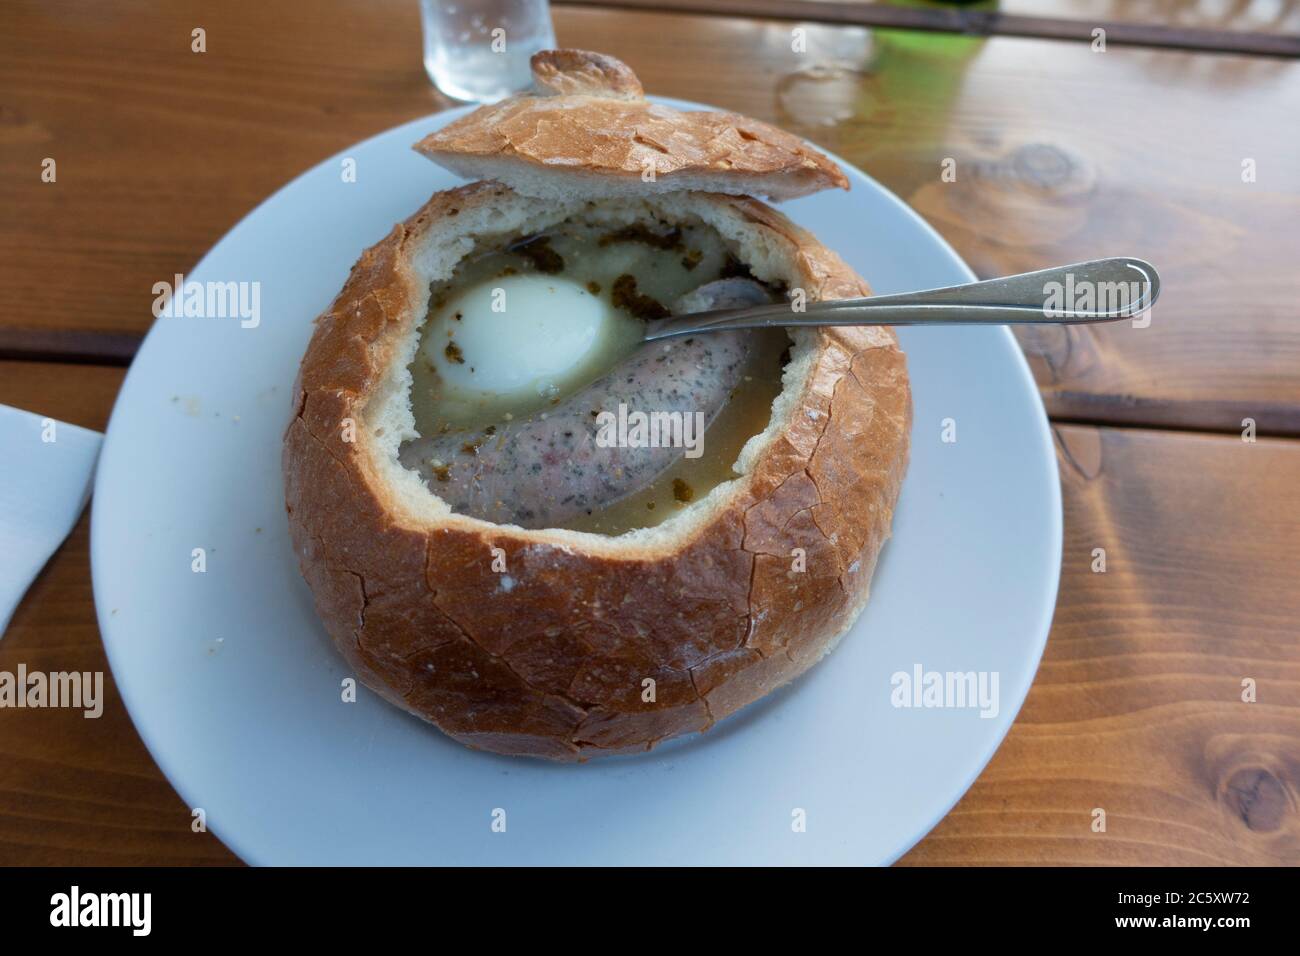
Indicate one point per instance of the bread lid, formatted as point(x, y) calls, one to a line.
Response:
point(587, 130)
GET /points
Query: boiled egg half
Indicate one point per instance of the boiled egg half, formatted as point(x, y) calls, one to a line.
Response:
point(522, 340)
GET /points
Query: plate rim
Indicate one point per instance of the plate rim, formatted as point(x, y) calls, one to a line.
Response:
point(1043, 437)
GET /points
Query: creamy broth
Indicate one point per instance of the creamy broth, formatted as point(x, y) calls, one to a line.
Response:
point(636, 272)
point(664, 268)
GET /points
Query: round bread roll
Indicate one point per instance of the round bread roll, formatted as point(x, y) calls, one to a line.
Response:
point(565, 644)
point(587, 127)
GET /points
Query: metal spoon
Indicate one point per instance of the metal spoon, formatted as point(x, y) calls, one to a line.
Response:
point(1118, 288)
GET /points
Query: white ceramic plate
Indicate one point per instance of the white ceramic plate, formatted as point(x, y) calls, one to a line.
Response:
point(235, 688)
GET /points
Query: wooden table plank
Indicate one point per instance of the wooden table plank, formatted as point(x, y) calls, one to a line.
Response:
point(76, 790)
point(1125, 168)
point(1061, 154)
point(79, 394)
point(1136, 708)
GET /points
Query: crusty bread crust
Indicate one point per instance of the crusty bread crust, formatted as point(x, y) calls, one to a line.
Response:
point(560, 72)
point(588, 127)
point(551, 656)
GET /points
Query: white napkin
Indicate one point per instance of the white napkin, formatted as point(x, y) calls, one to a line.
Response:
point(46, 470)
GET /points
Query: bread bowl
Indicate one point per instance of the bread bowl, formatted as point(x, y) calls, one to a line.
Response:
point(553, 641)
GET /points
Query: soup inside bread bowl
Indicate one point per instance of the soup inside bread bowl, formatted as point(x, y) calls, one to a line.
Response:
point(493, 540)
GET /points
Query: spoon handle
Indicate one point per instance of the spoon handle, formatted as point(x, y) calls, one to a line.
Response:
point(1101, 290)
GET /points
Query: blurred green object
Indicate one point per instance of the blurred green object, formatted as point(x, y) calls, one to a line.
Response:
point(917, 67)
point(982, 4)
point(954, 44)
point(902, 83)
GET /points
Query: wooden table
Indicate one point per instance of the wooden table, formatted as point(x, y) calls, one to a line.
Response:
point(1062, 154)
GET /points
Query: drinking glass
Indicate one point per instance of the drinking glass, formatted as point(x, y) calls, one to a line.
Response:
point(478, 50)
